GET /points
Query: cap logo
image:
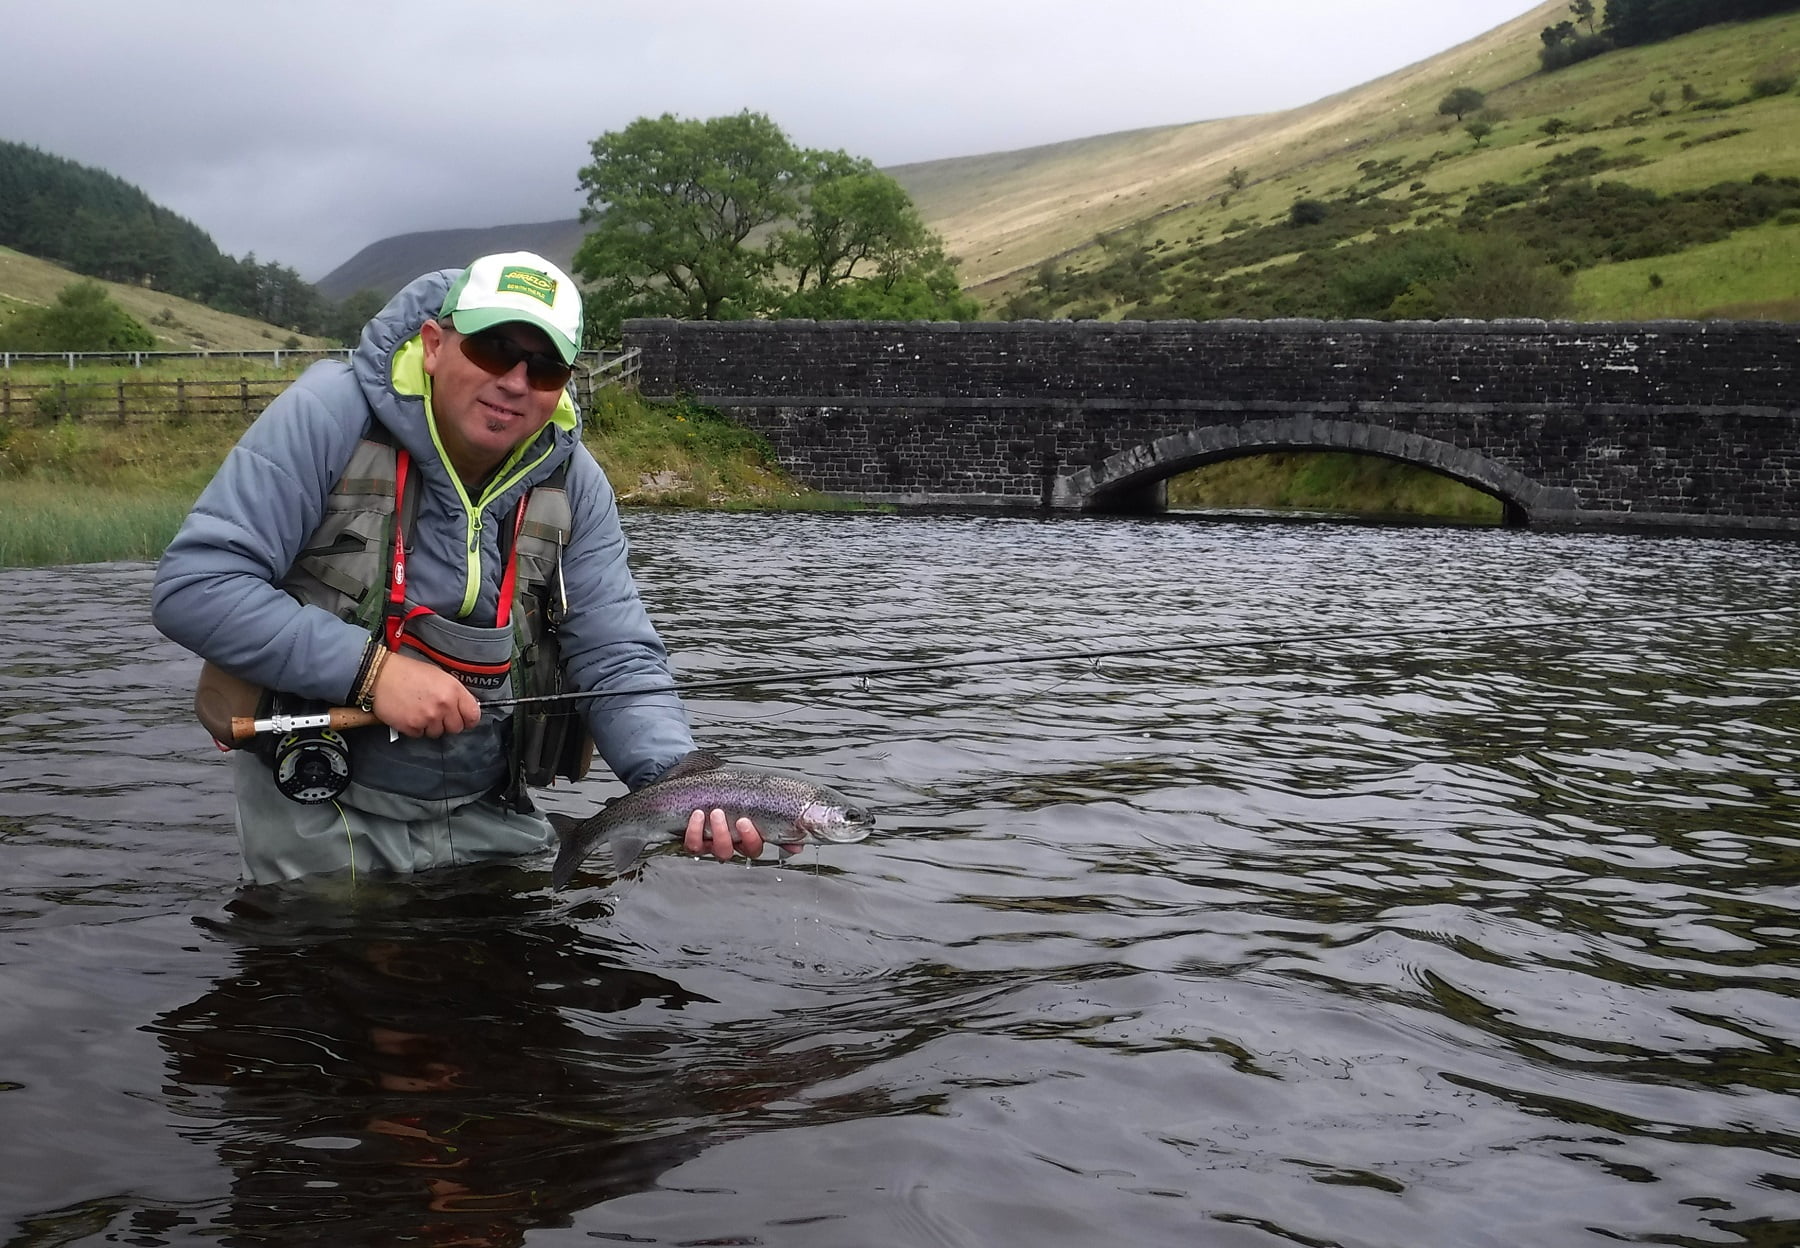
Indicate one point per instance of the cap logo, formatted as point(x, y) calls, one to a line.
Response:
point(520, 281)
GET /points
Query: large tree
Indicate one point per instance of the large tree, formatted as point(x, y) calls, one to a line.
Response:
point(724, 219)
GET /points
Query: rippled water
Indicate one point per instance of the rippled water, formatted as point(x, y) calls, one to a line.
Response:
point(1372, 938)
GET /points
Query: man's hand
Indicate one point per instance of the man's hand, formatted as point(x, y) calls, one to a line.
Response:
point(420, 699)
point(704, 827)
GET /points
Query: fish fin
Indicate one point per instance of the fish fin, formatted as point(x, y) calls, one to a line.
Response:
point(625, 847)
point(568, 850)
point(625, 850)
point(690, 764)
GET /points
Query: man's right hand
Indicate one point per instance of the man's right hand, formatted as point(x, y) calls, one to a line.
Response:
point(420, 699)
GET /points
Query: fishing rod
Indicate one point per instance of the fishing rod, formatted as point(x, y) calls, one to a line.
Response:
point(339, 718)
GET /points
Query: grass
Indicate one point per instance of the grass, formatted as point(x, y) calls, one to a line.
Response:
point(74, 491)
point(178, 324)
point(44, 523)
point(1749, 276)
point(1333, 481)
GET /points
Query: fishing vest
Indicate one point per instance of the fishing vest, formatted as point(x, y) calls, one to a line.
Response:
point(347, 566)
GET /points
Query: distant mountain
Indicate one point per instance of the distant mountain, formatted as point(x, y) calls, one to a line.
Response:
point(391, 263)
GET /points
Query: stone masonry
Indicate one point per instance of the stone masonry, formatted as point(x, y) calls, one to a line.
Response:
point(1664, 424)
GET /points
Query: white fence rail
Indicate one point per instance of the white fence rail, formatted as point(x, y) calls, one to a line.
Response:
point(154, 399)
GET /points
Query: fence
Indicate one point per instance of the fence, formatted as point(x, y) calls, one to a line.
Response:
point(242, 399)
point(137, 359)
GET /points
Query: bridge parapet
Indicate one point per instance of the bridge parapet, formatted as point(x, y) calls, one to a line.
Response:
point(1660, 423)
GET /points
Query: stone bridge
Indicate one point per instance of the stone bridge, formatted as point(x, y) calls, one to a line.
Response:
point(1661, 425)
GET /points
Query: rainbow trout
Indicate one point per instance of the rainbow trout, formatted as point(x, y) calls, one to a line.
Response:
point(788, 810)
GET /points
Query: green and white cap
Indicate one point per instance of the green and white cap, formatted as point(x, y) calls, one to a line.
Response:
point(517, 286)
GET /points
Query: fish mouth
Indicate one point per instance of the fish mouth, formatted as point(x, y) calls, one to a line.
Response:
point(845, 833)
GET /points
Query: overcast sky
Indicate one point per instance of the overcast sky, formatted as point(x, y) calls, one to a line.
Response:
point(305, 132)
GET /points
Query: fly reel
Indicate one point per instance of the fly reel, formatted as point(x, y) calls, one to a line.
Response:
point(312, 767)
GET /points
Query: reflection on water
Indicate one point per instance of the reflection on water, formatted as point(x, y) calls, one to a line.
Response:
point(1472, 939)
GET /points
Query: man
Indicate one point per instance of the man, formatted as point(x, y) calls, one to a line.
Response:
point(410, 532)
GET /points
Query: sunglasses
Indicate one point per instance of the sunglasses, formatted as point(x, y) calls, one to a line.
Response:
point(497, 354)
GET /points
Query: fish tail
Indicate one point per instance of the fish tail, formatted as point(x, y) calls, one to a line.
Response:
point(568, 852)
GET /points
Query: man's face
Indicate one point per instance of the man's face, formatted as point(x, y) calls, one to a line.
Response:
point(481, 417)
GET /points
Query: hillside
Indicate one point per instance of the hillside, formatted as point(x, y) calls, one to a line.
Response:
point(179, 325)
point(388, 265)
point(1688, 117)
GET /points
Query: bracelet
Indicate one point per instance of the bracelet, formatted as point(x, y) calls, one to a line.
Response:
point(365, 690)
point(362, 672)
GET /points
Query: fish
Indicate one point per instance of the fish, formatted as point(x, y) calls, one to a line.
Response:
point(789, 810)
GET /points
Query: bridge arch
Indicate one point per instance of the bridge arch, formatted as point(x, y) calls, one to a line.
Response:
point(1131, 480)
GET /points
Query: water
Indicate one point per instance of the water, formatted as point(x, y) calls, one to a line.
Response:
point(1479, 939)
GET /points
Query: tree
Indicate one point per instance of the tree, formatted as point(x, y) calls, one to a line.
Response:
point(724, 219)
point(673, 203)
point(1479, 130)
point(345, 324)
point(1237, 179)
point(855, 217)
point(1584, 13)
point(83, 318)
point(1461, 101)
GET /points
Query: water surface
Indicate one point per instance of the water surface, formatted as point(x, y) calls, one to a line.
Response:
point(1379, 936)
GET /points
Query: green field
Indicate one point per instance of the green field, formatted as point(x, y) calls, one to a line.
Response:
point(86, 490)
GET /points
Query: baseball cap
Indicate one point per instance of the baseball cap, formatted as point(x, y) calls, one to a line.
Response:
point(517, 286)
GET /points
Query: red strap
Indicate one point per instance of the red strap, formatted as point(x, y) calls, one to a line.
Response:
point(397, 615)
point(503, 611)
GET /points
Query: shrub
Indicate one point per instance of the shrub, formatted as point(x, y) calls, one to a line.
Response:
point(1306, 212)
point(1765, 85)
point(82, 318)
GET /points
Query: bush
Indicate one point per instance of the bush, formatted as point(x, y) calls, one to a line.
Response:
point(1571, 51)
point(83, 318)
point(1308, 212)
point(1765, 85)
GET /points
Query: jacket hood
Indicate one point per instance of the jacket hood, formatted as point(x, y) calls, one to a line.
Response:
point(389, 366)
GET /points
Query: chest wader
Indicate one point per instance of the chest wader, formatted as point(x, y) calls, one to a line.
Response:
point(354, 565)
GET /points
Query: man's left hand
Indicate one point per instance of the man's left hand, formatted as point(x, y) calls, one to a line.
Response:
point(708, 832)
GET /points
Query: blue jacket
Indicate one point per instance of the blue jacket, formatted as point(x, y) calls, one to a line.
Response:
point(217, 588)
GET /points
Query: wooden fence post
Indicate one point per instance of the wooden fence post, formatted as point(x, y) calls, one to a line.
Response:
point(244, 399)
point(181, 398)
point(121, 400)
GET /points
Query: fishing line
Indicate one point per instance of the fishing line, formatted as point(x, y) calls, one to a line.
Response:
point(336, 717)
point(1274, 642)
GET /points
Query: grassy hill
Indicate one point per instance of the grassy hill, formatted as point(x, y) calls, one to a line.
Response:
point(178, 324)
point(1166, 190)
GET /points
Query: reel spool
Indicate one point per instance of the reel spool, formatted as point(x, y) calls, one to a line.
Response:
point(312, 767)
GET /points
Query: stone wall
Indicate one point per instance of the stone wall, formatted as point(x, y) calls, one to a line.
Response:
point(1659, 423)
